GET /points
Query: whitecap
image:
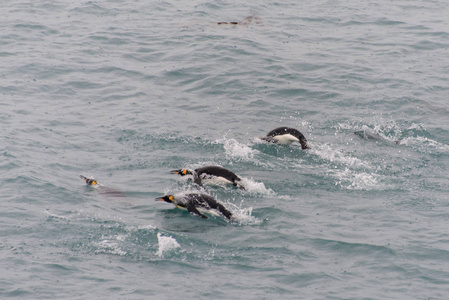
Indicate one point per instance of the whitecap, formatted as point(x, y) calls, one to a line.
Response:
point(258, 140)
point(109, 246)
point(432, 144)
point(417, 126)
point(242, 216)
point(253, 187)
point(236, 150)
point(333, 155)
point(353, 180)
point(166, 244)
point(56, 216)
point(146, 227)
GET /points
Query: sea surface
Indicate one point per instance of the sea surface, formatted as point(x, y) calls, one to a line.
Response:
point(126, 91)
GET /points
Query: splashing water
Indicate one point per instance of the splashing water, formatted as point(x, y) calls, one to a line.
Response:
point(242, 216)
point(110, 246)
point(353, 180)
point(236, 150)
point(166, 244)
point(336, 156)
point(254, 187)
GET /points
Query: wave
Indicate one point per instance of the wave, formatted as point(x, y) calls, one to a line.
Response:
point(353, 180)
point(166, 244)
point(235, 150)
point(415, 136)
point(426, 145)
point(109, 246)
point(243, 216)
point(349, 171)
point(254, 187)
point(327, 154)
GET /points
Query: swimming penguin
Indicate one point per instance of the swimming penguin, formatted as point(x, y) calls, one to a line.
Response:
point(194, 202)
point(89, 181)
point(366, 134)
point(211, 173)
point(286, 135)
point(106, 191)
point(246, 21)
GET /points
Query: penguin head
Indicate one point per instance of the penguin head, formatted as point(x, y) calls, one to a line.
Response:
point(89, 181)
point(182, 172)
point(167, 198)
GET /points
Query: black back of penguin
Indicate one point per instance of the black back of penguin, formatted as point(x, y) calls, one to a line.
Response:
point(194, 200)
point(219, 172)
point(208, 173)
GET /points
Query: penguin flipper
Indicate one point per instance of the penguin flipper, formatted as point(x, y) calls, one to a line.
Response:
point(192, 209)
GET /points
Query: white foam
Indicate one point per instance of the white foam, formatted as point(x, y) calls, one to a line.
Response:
point(55, 216)
point(353, 180)
point(146, 227)
point(109, 246)
point(236, 150)
point(344, 126)
point(166, 243)
point(254, 187)
point(425, 141)
point(133, 228)
point(258, 140)
point(416, 126)
point(336, 156)
point(243, 217)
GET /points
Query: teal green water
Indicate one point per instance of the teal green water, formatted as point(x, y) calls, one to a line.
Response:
point(126, 91)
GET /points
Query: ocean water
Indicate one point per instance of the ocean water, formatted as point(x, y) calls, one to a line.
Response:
point(126, 91)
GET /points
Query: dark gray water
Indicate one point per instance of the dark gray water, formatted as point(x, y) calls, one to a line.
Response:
point(126, 91)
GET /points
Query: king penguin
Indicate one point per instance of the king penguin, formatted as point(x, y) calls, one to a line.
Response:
point(106, 191)
point(286, 136)
point(89, 181)
point(211, 173)
point(194, 202)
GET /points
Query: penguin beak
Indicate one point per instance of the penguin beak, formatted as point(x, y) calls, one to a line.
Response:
point(174, 171)
point(159, 199)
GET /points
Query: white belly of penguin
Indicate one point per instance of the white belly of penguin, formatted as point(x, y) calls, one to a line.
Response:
point(203, 211)
point(211, 212)
point(216, 180)
point(285, 139)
